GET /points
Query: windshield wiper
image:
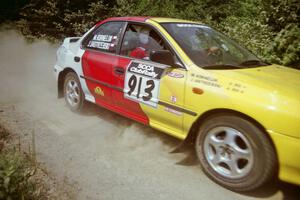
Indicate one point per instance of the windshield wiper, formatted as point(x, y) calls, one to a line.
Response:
point(253, 63)
point(221, 66)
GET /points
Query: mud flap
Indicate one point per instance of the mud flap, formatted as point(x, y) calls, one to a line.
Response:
point(185, 145)
point(182, 147)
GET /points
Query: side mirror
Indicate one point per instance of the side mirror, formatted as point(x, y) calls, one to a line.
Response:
point(162, 56)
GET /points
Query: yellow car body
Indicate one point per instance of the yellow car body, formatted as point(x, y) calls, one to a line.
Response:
point(269, 95)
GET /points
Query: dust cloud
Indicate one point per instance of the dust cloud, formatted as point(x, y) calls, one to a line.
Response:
point(25, 68)
point(101, 154)
point(27, 81)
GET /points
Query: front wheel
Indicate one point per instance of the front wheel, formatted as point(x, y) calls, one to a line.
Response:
point(235, 153)
point(73, 93)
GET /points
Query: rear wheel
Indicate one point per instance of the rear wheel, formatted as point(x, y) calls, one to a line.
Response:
point(235, 153)
point(73, 93)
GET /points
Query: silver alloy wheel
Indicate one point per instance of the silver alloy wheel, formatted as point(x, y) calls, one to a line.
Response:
point(72, 92)
point(228, 152)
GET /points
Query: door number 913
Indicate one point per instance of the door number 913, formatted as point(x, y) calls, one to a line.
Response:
point(134, 81)
point(142, 89)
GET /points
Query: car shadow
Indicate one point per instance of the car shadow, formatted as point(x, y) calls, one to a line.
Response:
point(289, 191)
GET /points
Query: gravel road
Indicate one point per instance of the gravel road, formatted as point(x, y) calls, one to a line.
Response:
point(99, 154)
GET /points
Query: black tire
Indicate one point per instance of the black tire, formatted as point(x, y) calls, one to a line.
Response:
point(257, 169)
point(80, 103)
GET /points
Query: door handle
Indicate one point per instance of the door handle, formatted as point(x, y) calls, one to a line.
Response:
point(119, 70)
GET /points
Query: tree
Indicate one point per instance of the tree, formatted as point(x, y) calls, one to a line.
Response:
point(9, 9)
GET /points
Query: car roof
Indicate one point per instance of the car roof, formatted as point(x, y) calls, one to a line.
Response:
point(170, 20)
point(132, 18)
point(144, 18)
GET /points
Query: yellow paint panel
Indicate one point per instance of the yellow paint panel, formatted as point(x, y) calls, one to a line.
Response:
point(165, 20)
point(251, 92)
point(171, 92)
point(287, 150)
point(269, 94)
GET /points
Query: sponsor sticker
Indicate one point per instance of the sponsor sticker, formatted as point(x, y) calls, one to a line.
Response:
point(175, 112)
point(98, 90)
point(175, 75)
point(191, 25)
point(173, 99)
point(144, 69)
point(142, 82)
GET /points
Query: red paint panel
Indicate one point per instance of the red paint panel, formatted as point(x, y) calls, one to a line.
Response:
point(98, 66)
point(131, 108)
point(137, 18)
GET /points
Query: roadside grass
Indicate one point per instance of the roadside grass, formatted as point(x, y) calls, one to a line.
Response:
point(3, 133)
point(16, 172)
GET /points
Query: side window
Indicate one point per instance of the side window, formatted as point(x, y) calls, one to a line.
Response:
point(139, 41)
point(106, 37)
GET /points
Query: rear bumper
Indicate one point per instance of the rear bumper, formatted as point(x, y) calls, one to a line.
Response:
point(288, 150)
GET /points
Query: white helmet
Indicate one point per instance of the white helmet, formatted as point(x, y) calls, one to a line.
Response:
point(144, 35)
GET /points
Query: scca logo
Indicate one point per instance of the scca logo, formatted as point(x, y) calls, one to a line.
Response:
point(99, 91)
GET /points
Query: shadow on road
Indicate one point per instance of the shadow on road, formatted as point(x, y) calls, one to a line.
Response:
point(289, 191)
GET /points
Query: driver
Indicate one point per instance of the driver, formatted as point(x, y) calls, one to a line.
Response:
point(142, 49)
point(203, 43)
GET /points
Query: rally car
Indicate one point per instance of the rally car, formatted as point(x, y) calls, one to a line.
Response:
point(192, 82)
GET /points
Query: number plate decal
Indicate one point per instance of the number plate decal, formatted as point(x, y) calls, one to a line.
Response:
point(142, 82)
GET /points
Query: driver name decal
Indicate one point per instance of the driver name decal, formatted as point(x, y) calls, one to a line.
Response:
point(104, 38)
point(105, 42)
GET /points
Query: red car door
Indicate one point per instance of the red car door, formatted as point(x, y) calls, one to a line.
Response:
point(126, 106)
point(99, 59)
point(132, 52)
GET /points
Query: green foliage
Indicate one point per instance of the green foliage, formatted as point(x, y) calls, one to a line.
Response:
point(55, 19)
point(15, 174)
point(9, 9)
point(269, 28)
point(283, 17)
point(164, 8)
point(286, 46)
point(280, 13)
point(3, 133)
point(248, 32)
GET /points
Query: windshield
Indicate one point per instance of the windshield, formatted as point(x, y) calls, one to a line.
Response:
point(208, 48)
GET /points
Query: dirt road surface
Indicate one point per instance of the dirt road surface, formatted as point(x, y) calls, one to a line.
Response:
point(99, 155)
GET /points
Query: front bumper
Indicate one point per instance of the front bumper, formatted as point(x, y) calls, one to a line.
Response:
point(288, 150)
